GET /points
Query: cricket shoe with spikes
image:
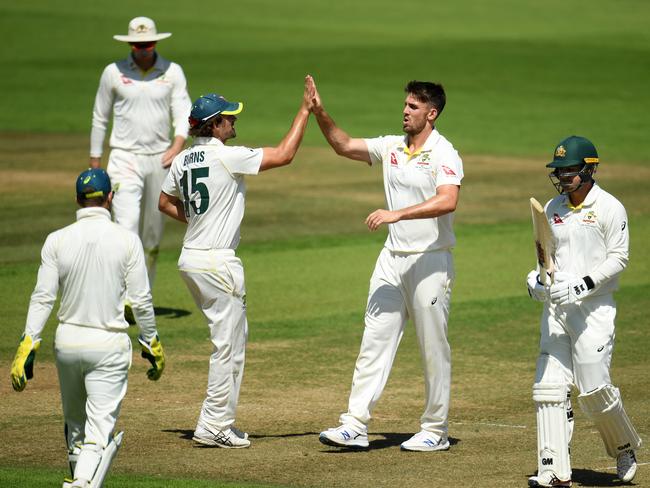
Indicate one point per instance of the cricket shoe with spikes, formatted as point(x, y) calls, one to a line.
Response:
point(547, 479)
point(344, 436)
point(626, 465)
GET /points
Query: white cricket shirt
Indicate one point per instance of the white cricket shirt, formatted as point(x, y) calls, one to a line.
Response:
point(591, 239)
point(144, 105)
point(209, 178)
point(410, 179)
point(94, 261)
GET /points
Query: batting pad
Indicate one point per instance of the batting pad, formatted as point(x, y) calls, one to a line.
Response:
point(108, 455)
point(605, 407)
point(552, 431)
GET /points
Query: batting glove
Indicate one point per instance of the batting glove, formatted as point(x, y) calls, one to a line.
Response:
point(154, 353)
point(22, 368)
point(536, 290)
point(570, 289)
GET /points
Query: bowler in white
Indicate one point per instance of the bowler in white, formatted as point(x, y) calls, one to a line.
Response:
point(414, 273)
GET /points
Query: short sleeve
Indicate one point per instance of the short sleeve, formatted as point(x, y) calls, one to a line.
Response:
point(240, 160)
point(449, 167)
point(169, 185)
point(377, 148)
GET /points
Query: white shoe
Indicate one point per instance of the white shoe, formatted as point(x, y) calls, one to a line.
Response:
point(344, 436)
point(425, 441)
point(67, 483)
point(626, 465)
point(227, 439)
point(239, 433)
point(547, 479)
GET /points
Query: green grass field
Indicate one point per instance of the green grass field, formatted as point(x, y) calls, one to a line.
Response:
point(519, 78)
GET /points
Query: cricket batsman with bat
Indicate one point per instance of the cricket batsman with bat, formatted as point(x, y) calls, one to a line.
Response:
point(589, 230)
point(94, 262)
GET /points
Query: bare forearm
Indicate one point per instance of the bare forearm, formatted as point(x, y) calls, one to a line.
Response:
point(337, 138)
point(284, 152)
point(293, 138)
point(434, 207)
point(172, 207)
point(441, 204)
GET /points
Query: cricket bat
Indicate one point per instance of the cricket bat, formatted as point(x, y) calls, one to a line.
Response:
point(543, 242)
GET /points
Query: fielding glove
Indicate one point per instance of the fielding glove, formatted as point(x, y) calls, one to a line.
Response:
point(570, 289)
point(22, 368)
point(156, 356)
point(536, 290)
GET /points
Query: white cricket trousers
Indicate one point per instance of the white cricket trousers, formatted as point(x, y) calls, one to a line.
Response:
point(581, 337)
point(136, 181)
point(93, 365)
point(215, 279)
point(405, 285)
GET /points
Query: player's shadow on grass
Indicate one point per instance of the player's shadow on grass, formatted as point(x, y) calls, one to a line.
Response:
point(188, 434)
point(587, 477)
point(171, 313)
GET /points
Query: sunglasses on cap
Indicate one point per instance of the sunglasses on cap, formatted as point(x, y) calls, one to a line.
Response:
point(143, 45)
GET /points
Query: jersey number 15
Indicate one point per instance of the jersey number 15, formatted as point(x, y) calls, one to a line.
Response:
point(195, 189)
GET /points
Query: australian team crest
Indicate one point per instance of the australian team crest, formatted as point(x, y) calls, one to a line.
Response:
point(560, 152)
point(590, 217)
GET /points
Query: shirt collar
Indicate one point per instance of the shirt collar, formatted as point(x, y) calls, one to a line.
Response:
point(202, 141)
point(427, 146)
point(93, 212)
point(589, 199)
point(157, 65)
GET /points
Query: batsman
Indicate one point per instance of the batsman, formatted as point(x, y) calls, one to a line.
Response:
point(589, 230)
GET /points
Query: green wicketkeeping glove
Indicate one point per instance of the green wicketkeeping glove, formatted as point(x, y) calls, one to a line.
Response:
point(156, 356)
point(22, 368)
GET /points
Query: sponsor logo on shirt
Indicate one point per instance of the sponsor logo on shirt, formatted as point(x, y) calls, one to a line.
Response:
point(448, 171)
point(125, 80)
point(590, 218)
point(557, 219)
point(393, 159)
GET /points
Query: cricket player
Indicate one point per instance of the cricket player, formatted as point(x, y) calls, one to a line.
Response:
point(205, 188)
point(94, 262)
point(590, 241)
point(414, 273)
point(147, 95)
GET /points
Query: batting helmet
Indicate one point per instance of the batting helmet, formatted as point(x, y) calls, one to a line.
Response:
point(573, 152)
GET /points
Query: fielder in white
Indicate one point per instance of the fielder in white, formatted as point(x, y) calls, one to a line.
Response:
point(95, 262)
point(146, 94)
point(414, 273)
point(590, 242)
point(205, 188)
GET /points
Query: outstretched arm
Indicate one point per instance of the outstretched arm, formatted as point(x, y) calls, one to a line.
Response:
point(442, 203)
point(341, 142)
point(283, 153)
